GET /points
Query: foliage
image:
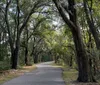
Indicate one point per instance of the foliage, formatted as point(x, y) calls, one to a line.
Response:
point(32, 31)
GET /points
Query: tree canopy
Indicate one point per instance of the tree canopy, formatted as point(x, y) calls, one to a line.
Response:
point(66, 31)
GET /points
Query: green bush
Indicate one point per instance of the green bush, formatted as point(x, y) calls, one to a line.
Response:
point(4, 65)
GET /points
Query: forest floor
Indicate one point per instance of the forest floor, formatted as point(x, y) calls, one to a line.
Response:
point(70, 76)
point(6, 75)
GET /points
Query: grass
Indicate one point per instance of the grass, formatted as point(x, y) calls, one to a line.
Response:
point(7, 75)
point(70, 75)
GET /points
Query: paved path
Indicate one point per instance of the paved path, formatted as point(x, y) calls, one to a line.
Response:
point(45, 74)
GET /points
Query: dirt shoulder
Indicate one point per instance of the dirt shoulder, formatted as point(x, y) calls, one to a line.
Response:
point(10, 74)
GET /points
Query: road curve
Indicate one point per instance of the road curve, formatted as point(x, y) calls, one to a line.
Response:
point(45, 74)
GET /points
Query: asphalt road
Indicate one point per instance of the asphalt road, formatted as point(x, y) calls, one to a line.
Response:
point(45, 74)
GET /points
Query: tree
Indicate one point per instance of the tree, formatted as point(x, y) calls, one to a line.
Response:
point(20, 20)
point(71, 21)
point(90, 20)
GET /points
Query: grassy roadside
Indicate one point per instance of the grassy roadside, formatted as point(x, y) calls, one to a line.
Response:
point(70, 75)
point(10, 74)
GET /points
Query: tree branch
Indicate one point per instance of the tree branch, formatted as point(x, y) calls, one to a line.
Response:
point(63, 14)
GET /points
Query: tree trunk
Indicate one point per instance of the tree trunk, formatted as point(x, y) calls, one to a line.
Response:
point(35, 59)
point(82, 58)
point(26, 57)
point(14, 58)
point(26, 47)
point(56, 58)
point(91, 64)
point(15, 53)
point(71, 61)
